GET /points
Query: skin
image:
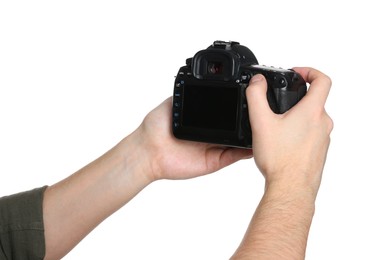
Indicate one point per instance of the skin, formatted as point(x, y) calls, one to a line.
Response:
point(289, 150)
point(76, 205)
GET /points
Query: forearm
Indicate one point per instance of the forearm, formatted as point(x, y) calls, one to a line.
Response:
point(279, 228)
point(76, 205)
point(290, 150)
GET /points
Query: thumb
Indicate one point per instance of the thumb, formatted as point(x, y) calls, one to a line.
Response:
point(259, 108)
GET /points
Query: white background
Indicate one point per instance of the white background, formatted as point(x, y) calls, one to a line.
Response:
point(78, 76)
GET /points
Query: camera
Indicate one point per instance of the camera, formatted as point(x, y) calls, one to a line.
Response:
point(209, 100)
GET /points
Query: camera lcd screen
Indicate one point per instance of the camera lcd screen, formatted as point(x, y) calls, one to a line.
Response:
point(210, 107)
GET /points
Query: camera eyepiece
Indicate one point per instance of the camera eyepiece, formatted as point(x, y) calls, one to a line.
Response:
point(215, 67)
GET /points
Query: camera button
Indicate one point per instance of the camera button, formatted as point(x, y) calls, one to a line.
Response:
point(245, 77)
point(177, 92)
point(176, 104)
point(283, 82)
point(179, 84)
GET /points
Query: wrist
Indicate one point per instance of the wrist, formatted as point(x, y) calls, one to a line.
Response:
point(293, 182)
point(137, 159)
point(294, 196)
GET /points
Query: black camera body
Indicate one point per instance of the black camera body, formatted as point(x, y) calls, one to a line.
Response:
point(209, 100)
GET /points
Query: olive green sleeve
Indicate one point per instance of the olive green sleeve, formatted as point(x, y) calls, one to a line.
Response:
point(21, 226)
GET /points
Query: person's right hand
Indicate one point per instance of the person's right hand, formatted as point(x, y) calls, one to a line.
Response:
point(290, 149)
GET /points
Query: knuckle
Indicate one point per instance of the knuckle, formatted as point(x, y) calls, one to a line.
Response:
point(330, 124)
point(328, 80)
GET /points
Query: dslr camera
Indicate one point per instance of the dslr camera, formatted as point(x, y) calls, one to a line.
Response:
point(209, 100)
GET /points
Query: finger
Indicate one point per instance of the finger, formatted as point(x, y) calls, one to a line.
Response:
point(223, 157)
point(259, 108)
point(320, 85)
point(232, 155)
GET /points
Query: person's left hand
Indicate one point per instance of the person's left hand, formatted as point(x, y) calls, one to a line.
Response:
point(171, 158)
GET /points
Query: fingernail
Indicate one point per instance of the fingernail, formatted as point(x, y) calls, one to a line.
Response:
point(257, 78)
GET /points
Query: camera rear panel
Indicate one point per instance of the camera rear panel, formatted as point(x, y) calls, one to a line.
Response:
point(208, 111)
